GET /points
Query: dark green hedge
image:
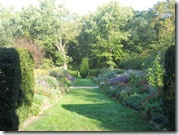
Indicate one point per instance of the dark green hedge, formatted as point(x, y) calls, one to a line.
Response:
point(16, 87)
point(169, 88)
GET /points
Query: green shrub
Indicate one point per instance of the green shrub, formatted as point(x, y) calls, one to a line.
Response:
point(36, 105)
point(169, 87)
point(107, 73)
point(84, 68)
point(47, 64)
point(51, 82)
point(135, 101)
point(131, 61)
point(47, 86)
point(155, 74)
point(113, 91)
point(136, 61)
point(40, 72)
point(73, 73)
point(57, 73)
point(16, 86)
point(154, 111)
point(118, 71)
point(39, 101)
point(63, 76)
point(123, 95)
point(94, 72)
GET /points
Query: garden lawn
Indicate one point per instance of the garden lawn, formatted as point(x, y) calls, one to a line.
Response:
point(84, 82)
point(89, 110)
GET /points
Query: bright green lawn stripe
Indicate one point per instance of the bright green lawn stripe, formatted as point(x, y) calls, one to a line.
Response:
point(89, 110)
point(84, 82)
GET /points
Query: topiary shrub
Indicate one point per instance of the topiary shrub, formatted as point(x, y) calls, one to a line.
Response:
point(84, 68)
point(16, 87)
point(169, 87)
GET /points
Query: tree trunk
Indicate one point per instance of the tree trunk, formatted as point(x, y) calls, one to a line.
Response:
point(65, 66)
point(61, 48)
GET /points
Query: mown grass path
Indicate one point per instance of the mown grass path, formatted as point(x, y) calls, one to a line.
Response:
point(89, 110)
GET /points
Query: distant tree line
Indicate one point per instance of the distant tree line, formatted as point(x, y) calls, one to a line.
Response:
point(113, 36)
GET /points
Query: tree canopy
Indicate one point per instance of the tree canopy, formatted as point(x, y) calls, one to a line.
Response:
point(113, 36)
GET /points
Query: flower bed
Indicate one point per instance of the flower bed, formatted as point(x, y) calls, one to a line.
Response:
point(50, 86)
point(132, 89)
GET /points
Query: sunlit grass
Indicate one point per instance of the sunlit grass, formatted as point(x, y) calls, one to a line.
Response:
point(89, 110)
point(84, 82)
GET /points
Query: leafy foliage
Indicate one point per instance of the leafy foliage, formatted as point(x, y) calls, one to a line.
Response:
point(164, 23)
point(38, 104)
point(94, 72)
point(113, 36)
point(104, 33)
point(141, 33)
point(155, 74)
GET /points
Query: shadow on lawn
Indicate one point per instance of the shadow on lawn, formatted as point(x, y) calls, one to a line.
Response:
point(111, 116)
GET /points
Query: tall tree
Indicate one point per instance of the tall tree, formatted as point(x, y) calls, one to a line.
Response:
point(110, 21)
point(84, 39)
point(164, 23)
point(52, 26)
point(105, 32)
point(8, 20)
point(142, 35)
